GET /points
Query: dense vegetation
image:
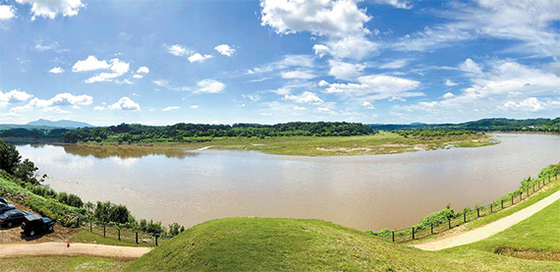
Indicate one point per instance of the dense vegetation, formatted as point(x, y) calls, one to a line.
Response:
point(19, 182)
point(182, 132)
point(490, 124)
point(34, 133)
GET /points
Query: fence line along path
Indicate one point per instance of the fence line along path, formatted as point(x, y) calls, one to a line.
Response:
point(75, 249)
point(489, 229)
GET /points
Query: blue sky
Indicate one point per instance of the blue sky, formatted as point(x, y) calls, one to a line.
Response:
point(377, 61)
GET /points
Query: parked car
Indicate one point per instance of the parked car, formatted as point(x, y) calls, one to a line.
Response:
point(12, 218)
point(4, 207)
point(3, 200)
point(33, 224)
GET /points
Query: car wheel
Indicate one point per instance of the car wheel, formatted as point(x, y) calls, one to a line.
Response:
point(51, 228)
point(10, 225)
point(32, 233)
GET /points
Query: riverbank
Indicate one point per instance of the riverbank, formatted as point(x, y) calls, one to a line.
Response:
point(380, 143)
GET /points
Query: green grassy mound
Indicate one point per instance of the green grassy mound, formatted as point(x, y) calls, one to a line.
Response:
point(272, 244)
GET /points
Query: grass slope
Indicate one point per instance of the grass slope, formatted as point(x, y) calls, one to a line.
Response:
point(273, 244)
point(53, 264)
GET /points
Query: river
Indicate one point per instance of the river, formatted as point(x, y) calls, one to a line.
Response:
point(363, 192)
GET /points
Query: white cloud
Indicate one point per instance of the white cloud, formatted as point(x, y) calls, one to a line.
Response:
point(368, 105)
point(342, 22)
point(323, 83)
point(56, 70)
point(470, 66)
point(7, 12)
point(397, 64)
point(289, 61)
point(376, 87)
point(450, 83)
point(138, 76)
point(170, 108)
point(99, 108)
point(448, 95)
point(325, 110)
point(194, 107)
point(54, 104)
point(210, 86)
point(125, 103)
point(13, 96)
point(51, 8)
point(143, 70)
point(117, 67)
point(252, 97)
point(345, 70)
point(300, 74)
point(402, 4)
point(532, 23)
point(530, 104)
point(225, 50)
point(124, 81)
point(178, 50)
point(305, 97)
point(296, 108)
point(321, 50)
point(91, 63)
point(197, 57)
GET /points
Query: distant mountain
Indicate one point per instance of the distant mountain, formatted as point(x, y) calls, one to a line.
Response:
point(59, 124)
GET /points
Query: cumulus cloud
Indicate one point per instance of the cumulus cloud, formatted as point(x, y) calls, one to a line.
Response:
point(125, 103)
point(305, 97)
point(178, 50)
point(56, 103)
point(530, 104)
point(323, 83)
point(450, 83)
point(341, 22)
point(345, 70)
point(376, 87)
point(56, 70)
point(91, 63)
point(470, 66)
point(197, 57)
point(194, 107)
point(396, 64)
point(401, 4)
point(225, 50)
point(13, 96)
point(210, 86)
point(448, 95)
point(137, 76)
point(51, 8)
point(368, 105)
point(170, 108)
point(7, 12)
point(143, 70)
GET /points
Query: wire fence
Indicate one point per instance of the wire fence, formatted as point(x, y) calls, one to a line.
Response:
point(468, 215)
point(124, 234)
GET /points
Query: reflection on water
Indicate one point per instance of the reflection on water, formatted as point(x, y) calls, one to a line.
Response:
point(365, 192)
point(125, 151)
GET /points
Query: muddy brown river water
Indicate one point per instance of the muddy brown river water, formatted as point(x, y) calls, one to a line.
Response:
point(364, 192)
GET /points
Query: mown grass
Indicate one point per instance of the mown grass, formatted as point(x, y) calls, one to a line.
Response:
point(381, 143)
point(539, 234)
point(85, 236)
point(274, 244)
point(62, 263)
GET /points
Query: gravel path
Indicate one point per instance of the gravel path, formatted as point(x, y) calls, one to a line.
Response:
point(489, 229)
point(77, 249)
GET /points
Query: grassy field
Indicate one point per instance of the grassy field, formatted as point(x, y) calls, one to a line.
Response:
point(538, 237)
point(47, 264)
point(272, 244)
point(381, 143)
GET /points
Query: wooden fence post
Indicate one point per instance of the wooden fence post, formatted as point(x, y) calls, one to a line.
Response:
point(157, 235)
point(477, 212)
point(431, 228)
point(90, 227)
point(491, 207)
point(412, 233)
point(512, 199)
point(449, 221)
point(104, 231)
point(465, 217)
point(502, 204)
point(119, 234)
point(137, 237)
point(393, 236)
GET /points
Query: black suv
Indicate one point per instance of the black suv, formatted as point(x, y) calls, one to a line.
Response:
point(4, 207)
point(33, 224)
point(12, 218)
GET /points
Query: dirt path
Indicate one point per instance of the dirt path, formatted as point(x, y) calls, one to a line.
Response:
point(76, 249)
point(489, 229)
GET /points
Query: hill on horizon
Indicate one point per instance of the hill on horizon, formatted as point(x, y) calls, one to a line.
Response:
point(59, 123)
